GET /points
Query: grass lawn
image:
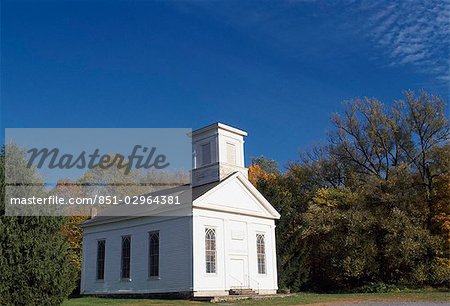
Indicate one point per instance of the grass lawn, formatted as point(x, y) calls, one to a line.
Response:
point(297, 299)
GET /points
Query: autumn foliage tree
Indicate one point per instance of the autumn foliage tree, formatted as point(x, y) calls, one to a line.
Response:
point(70, 228)
point(262, 169)
point(371, 206)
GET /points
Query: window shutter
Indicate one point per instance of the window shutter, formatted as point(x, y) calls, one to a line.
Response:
point(231, 153)
point(206, 154)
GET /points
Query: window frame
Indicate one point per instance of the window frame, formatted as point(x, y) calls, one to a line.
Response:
point(123, 258)
point(261, 257)
point(151, 256)
point(102, 261)
point(211, 253)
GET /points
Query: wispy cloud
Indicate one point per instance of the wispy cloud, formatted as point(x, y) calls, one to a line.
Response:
point(415, 33)
point(401, 33)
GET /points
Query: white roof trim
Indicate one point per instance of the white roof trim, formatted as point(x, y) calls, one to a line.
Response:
point(219, 125)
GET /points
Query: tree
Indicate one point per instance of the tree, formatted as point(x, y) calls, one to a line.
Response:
point(377, 140)
point(371, 206)
point(70, 228)
point(262, 168)
point(427, 128)
point(34, 265)
point(268, 165)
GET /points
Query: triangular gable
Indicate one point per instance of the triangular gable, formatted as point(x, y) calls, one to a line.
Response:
point(237, 195)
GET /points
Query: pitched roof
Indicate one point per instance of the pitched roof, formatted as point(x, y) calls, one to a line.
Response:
point(182, 191)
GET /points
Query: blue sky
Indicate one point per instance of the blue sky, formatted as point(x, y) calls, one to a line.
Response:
point(277, 69)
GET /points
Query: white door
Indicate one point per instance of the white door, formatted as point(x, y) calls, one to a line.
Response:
point(237, 272)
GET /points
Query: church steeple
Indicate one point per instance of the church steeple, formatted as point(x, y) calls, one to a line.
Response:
point(218, 151)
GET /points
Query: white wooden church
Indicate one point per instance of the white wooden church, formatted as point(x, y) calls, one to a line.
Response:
point(225, 246)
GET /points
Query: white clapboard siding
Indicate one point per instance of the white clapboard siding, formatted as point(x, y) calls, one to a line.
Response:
point(175, 256)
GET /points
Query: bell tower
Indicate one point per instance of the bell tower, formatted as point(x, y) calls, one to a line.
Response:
point(218, 151)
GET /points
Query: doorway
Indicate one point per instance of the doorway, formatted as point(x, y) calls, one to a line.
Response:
point(237, 272)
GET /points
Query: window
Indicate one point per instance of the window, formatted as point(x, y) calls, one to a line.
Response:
point(126, 256)
point(231, 153)
point(206, 154)
point(261, 253)
point(153, 254)
point(101, 259)
point(210, 250)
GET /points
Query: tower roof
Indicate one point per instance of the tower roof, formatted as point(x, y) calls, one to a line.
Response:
point(217, 126)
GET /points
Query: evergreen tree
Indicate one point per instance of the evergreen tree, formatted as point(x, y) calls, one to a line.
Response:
point(34, 255)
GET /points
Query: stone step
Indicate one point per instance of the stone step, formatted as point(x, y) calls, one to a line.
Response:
point(242, 291)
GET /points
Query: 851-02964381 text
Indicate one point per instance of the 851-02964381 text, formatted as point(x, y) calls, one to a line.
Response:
point(138, 200)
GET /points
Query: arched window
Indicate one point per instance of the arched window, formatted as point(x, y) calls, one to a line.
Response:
point(101, 258)
point(126, 256)
point(153, 254)
point(261, 253)
point(210, 250)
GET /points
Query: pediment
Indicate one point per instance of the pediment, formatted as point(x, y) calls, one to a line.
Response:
point(237, 195)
